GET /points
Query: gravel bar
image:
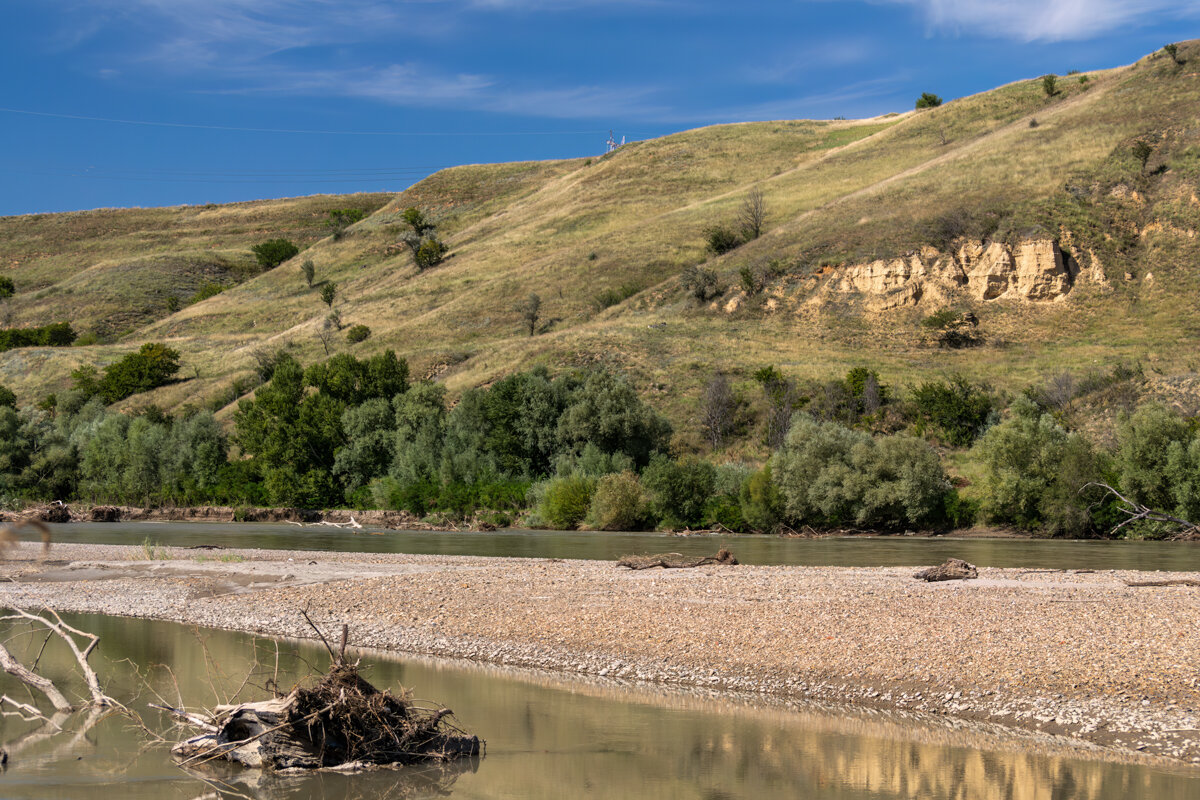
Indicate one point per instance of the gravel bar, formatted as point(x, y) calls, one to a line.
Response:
point(1077, 654)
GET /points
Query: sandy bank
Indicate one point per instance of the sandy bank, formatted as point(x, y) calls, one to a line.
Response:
point(1078, 654)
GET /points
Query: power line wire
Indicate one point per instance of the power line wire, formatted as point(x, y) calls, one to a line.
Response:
point(233, 128)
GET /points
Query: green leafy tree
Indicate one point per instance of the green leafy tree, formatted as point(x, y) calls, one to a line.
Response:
point(273, 252)
point(831, 475)
point(152, 366)
point(309, 270)
point(1050, 85)
point(7, 398)
point(927, 100)
point(1151, 455)
point(762, 504)
point(329, 293)
point(1036, 474)
point(607, 412)
point(1173, 51)
point(678, 491)
point(7, 289)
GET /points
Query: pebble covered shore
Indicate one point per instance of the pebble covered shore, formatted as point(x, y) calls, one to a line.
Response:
point(1079, 654)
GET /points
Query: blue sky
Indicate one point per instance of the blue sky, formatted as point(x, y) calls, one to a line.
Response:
point(161, 102)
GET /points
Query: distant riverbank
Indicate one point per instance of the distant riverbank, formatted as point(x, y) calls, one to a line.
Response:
point(1082, 654)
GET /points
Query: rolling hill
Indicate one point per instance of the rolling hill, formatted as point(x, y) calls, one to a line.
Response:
point(1063, 225)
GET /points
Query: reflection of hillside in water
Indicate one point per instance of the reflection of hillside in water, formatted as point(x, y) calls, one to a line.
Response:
point(548, 737)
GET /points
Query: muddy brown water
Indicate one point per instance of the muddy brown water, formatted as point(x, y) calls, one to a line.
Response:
point(547, 737)
point(857, 551)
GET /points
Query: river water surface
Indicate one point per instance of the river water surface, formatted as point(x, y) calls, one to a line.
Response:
point(857, 551)
point(547, 737)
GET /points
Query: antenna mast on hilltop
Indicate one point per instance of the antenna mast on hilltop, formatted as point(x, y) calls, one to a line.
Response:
point(612, 141)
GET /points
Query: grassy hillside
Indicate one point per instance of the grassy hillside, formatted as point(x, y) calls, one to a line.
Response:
point(1011, 164)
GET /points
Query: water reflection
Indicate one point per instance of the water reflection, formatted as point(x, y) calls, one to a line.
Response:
point(550, 738)
point(848, 552)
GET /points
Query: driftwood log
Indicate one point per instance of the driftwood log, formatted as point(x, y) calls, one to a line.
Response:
point(675, 560)
point(952, 569)
point(106, 514)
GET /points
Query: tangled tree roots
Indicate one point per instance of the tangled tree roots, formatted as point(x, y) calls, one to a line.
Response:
point(342, 722)
point(953, 569)
point(675, 560)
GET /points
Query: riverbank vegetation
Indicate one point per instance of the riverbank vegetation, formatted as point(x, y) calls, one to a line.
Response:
point(583, 449)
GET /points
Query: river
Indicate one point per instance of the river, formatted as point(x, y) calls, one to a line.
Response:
point(547, 737)
point(853, 551)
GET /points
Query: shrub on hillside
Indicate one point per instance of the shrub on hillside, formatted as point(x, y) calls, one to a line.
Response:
point(430, 253)
point(7, 289)
point(358, 333)
point(273, 252)
point(702, 284)
point(927, 100)
point(342, 218)
point(59, 334)
point(7, 398)
point(150, 367)
point(957, 407)
point(720, 239)
point(617, 503)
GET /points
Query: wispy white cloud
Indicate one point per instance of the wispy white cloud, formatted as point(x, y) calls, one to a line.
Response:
point(1045, 20)
point(786, 68)
point(271, 47)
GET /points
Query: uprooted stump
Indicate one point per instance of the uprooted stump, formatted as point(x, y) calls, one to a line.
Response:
point(342, 722)
point(952, 569)
point(675, 560)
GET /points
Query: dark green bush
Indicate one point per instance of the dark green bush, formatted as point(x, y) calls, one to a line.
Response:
point(958, 408)
point(152, 366)
point(610, 297)
point(342, 218)
point(59, 334)
point(927, 100)
point(273, 252)
point(1050, 85)
point(7, 398)
point(429, 253)
point(720, 239)
point(7, 289)
point(358, 333)
point(677, 491)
